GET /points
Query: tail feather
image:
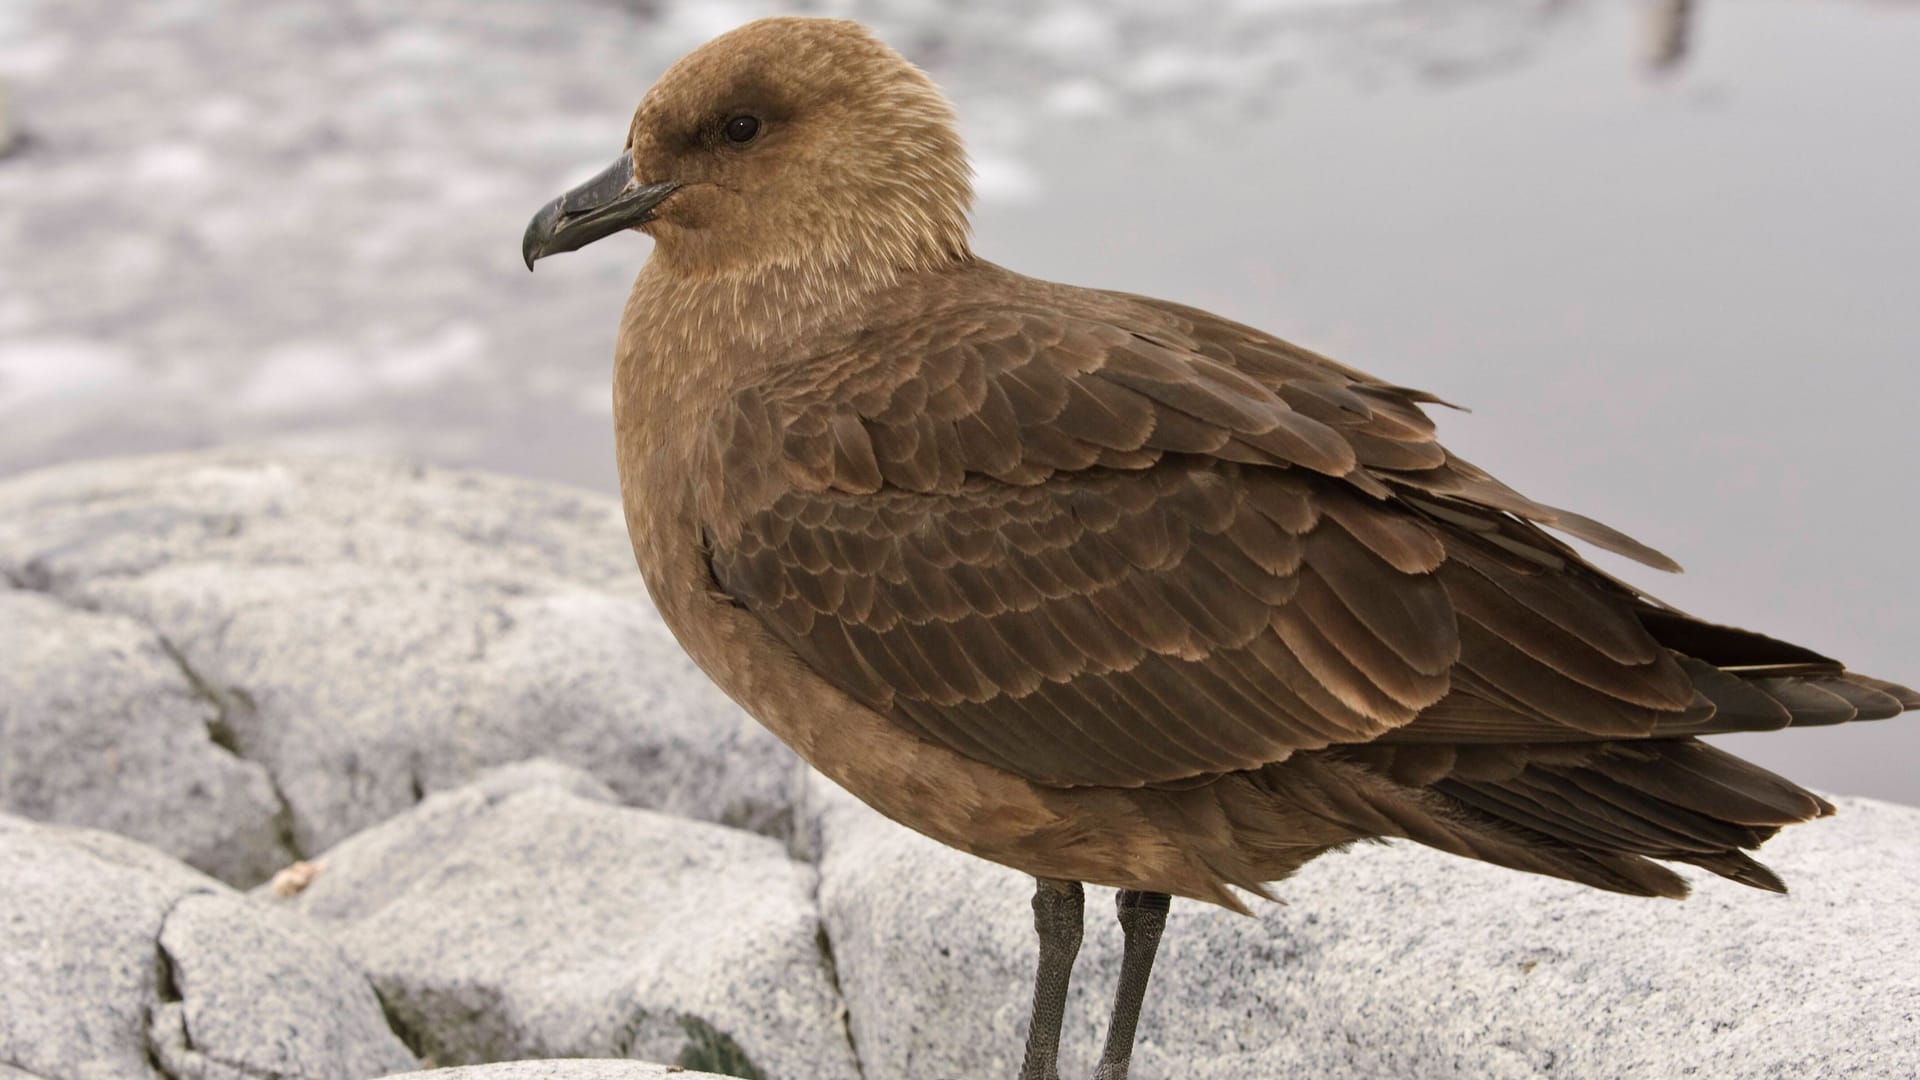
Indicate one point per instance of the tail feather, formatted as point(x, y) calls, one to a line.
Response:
point(1737, 866)
point(1601, 813)
point(1710, 781)
point(1351, 785)
point(1532, 785)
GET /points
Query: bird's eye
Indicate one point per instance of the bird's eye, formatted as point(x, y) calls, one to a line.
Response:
point(742, 129)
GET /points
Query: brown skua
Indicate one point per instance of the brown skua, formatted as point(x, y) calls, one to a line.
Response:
point(1105, 588)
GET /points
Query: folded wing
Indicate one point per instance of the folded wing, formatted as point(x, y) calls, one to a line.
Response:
point(1131, 548)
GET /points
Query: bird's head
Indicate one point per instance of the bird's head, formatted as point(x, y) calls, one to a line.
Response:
point(798, 143)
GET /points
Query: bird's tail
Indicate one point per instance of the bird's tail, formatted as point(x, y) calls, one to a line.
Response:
point(1604, 814)
point(1476, 777)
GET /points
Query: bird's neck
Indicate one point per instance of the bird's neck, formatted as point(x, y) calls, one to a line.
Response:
point(692, 318)
point(689, 333)
point(689, 340)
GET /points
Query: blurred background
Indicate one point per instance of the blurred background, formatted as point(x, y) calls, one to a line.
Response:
point(1668, 251)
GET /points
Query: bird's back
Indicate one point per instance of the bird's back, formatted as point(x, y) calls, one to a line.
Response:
point(1102, 542)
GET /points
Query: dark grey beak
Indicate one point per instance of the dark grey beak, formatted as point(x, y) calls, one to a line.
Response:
point(602, 206)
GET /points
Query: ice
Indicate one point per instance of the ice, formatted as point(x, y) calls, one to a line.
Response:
point(1078, 97)
point(998, 178)
point(55, 372)
point(307, 376)
point(692, 23)
point(453, 349)
point(171, 164)
point(1073, 34)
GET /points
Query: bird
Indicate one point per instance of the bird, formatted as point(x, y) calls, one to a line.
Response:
point(1105, 588)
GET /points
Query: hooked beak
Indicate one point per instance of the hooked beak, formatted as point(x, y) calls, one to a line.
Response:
point(602, 206)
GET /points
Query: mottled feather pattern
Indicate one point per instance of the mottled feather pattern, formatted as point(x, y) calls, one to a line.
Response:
point(1127, 599)
point(1117, 543)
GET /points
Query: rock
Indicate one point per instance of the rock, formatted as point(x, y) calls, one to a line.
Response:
point(373, 632)
point(103, 727)
point(565, 1069)
point(526, 916)
point(236, 1013)
point(198, 641)
point(1400, 961)
point(116, 961)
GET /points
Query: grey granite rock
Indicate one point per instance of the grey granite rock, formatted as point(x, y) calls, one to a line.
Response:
point(103, 727)
point(558, 1069)
point(1402, 962)
point(380, 639)
point(118, 962)
point(525, 916)
point(375, 631)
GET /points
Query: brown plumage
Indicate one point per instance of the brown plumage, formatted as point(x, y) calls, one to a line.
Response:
point(1102, 587)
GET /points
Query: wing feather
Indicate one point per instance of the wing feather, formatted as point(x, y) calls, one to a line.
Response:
point(1127, 543)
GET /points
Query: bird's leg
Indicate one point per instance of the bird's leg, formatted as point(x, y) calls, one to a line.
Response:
point(1057, 909)
point(1142, 916)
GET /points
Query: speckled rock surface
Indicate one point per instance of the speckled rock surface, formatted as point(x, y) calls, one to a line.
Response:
point(370, 632)
point(1395, 961)
point(458, 678)
point(117, 961)
point(105, 727)
point(525, 916)
point(558, 1069)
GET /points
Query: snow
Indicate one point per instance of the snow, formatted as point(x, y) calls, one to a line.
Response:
point(318, 212)
point(38, 373)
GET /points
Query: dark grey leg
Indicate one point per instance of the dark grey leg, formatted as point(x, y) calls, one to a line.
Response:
point(1142, 916)
point(1057, 909)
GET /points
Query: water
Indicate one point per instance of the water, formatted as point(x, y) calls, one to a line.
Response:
point(1678, 293)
